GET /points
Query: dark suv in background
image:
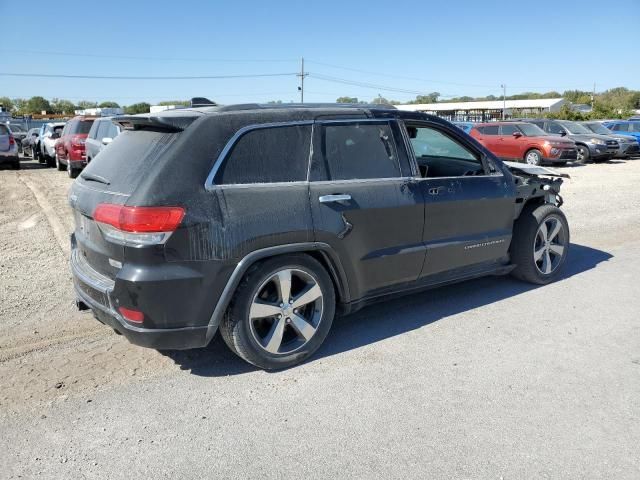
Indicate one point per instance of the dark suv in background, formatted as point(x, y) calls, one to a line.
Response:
point(262, 222)
point(590, 146)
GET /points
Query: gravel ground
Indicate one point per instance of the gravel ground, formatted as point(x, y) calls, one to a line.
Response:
point(488, 379)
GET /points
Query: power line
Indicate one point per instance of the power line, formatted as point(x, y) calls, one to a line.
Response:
point(126, 77)
point(160, 59)
point(346, 81)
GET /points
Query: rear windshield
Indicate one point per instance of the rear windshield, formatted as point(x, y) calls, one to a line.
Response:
point(83, 126)
point(131, 156)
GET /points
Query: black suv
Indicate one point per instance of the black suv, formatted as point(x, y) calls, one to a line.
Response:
point(263, 221)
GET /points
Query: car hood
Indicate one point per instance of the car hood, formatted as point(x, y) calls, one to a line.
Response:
point(586, 137)
point(534, 170)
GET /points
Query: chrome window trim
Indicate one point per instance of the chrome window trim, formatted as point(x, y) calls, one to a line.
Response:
point(209, 182)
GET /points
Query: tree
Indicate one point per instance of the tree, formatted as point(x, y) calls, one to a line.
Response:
point(183, 103)
point(347, 100)
point(62, 106)
point(82, 104)
point(109, 105)
point(429, 98)
point(141, 107)
point(37, 105)
point(7, 104)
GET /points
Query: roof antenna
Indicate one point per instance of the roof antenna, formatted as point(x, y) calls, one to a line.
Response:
point(202, 102)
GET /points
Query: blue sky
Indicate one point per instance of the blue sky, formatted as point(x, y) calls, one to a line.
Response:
point(463, 47)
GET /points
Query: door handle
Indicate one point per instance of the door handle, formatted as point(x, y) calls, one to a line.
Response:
point(435, 190)
point(342, 197)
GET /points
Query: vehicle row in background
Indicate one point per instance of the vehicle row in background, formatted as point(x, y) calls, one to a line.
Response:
point(8, 148)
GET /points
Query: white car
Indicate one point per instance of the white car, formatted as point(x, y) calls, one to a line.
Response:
point(102, 133)
point(51, 132)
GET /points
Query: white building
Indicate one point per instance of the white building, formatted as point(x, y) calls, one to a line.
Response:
point(100, 112)
point(486, 110)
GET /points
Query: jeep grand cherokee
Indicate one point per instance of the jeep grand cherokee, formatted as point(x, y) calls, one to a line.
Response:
point(262, 222)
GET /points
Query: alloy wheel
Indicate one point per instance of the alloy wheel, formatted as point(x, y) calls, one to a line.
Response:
point(286, 311)
point(532, 158)
point(549, 245)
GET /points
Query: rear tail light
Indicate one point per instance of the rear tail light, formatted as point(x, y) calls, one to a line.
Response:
point(12, 141)
point(77, 142)
point(133, 316)
point(137, 226)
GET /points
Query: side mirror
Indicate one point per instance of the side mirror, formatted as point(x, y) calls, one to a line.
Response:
point(34, 135)
point(55, 135)
point(107, 140)
point(563, 133)
point(517, 134)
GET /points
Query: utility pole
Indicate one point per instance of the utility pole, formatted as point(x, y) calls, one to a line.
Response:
point(302, 74)
point(593, 96)
point(504, 100)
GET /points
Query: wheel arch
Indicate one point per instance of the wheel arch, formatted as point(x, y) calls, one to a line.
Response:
point(319, 251)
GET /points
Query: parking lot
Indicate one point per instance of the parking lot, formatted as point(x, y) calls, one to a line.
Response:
point(492, 378)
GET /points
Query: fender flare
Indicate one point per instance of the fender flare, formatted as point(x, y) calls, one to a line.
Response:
point(335, 270)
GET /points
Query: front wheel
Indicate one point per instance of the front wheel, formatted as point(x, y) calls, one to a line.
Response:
point(533, 157)
point(281, 312)
point(72, 172)
point(540, 243)
point(583, 154)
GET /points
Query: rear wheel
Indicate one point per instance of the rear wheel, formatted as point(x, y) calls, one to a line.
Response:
point(281, 312)
point(72, 172)
point(16, 164)
point(540, 244)
point(59, 165)
point(583, 154)
point(533, 157)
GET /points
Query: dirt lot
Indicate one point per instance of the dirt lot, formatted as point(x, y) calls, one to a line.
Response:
point(488, 379)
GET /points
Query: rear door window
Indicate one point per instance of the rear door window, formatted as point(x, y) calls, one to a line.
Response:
point(554, 128)
point(83, 126)
point(508, 129)
point(489, 130)
point(356, 151)
point(93, 133)
point(268, 155)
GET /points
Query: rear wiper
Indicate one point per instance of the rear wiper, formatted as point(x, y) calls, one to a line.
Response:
point(94, 178)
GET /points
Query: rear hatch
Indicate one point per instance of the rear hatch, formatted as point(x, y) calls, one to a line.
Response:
point(112, 178)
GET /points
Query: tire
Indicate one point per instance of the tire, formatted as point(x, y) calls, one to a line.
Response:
point(255, 338)
point(59, 165)
point(533, 157)
point(584, 156)
point(72, 172)
point(16, 165)
point(528, 241)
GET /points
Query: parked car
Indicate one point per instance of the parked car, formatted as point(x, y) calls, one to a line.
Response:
point(524, 142)
point(50, 133)
point(464, 126)
point(8, 147)
point(263, 221)
point(19, 133)
point(628, 143)
point(102, 133)
point(591, 146)
point(70, 147)
point(28, 142)
point(625, 127)
point(635, 117)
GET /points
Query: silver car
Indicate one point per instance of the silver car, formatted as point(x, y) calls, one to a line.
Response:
point(628, 144)
point(102, 133)
point(8, 148)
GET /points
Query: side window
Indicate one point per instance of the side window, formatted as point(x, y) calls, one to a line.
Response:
point(4, 130)
point(268, 155)
point(113, 130)
point(103, 129)
point(508, 129)
point(359, 151)
point(440, 155)
point(634, 127)
point(617, 127)
point(490, 130)
point(93, 133)
point(554, 128)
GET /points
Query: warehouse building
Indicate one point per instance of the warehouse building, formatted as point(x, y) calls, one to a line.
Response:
point(488, 110)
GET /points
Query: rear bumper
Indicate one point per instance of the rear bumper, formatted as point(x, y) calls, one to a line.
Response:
point(95, 290)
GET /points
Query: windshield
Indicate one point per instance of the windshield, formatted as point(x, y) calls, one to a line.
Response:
point(576, 128)
point(598, 128)
point(531, 130)
point(16, 128)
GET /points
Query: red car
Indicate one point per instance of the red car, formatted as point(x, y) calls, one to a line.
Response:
point(524, 142)
point(70, 151)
